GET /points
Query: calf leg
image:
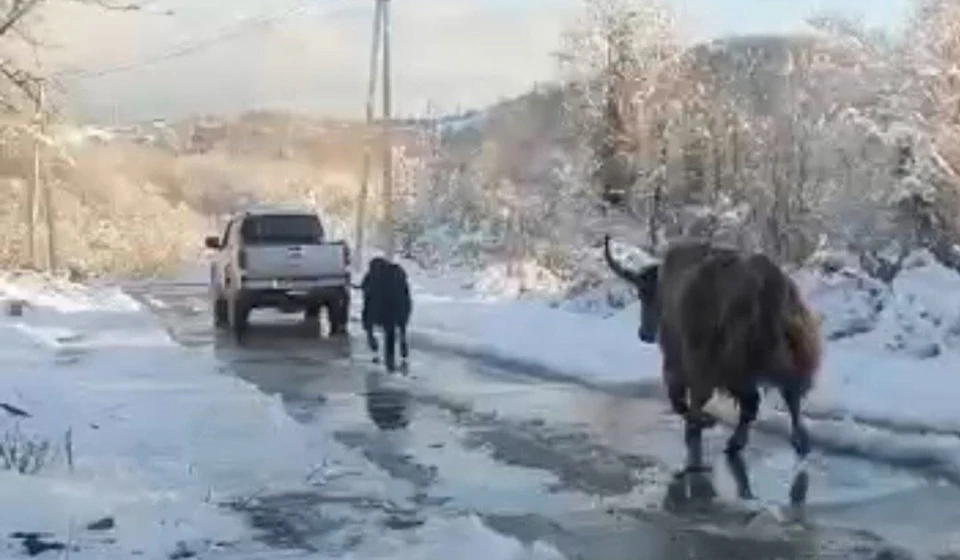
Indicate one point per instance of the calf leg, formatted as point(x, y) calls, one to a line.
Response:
point(748, 400)
point(371, 338)
point(404, 349)
point(367, 321)
point(390, 346)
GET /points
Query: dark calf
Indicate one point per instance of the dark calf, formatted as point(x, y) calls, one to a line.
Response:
point(387, 304)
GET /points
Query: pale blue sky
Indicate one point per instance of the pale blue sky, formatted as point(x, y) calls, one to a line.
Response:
point(721, 17)
point(466, 52)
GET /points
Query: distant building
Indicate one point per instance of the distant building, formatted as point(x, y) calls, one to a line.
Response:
point(204, 137)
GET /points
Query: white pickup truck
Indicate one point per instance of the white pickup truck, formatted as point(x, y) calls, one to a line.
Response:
point(277, 257)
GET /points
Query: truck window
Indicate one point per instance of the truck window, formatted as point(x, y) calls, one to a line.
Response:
point(281, 230)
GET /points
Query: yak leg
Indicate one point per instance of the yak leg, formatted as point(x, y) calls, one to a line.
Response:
point(799, 437)
point(677, 394)
point(676, 386)
point(741, 476)
point(696, 420)
point(748, 400)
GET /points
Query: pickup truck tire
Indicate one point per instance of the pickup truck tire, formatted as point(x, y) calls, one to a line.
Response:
point(221, 315)
point(239, 310)
point(312, 312)
point(338, 311)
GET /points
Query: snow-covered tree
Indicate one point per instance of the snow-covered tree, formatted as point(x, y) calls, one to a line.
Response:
point(617, 61)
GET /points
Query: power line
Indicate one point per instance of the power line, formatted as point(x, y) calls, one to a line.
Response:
point(249, 25)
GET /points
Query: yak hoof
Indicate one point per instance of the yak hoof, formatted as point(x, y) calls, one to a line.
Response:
point(734, 446)
point(696, 468)
point(376, 359)
point(800, 440)
point(701, 419)
point(799, 489)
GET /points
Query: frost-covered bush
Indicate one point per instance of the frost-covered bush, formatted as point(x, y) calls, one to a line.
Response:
point(23, 453)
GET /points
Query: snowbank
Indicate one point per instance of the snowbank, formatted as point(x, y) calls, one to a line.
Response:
point(156, 438)
point(892, 360)
point(585, 346)
point(147, 440)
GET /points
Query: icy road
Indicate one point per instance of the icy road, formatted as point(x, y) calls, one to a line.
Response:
point(584, 471)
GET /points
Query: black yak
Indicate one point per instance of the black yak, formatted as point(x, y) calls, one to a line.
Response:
point(387, 304)
point(726, 321)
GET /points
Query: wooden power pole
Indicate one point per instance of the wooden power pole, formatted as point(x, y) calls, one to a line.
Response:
point(380, 40)
point(365, 174)
point(387, 147)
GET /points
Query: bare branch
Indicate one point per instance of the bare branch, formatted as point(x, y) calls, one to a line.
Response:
point(114, 6)
point(18, 10)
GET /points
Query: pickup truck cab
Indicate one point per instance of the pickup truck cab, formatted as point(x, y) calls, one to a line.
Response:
point(277, 257)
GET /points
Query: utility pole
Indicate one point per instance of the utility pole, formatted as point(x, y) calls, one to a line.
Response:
point(387, 148)
point(381, 35)
point(371, 94)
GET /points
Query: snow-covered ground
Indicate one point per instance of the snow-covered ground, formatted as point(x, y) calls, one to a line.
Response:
point(889, 385)
point(152, 436)
point(147, 440)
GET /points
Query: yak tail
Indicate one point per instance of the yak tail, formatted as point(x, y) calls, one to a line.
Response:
point(802, 331)
point(772, 330)
point(617, 268)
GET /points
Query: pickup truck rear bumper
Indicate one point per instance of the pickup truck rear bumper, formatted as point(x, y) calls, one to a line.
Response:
point(291, 295)
point(311, 284)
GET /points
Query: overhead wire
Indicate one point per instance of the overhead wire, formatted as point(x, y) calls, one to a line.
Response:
point(249, 25)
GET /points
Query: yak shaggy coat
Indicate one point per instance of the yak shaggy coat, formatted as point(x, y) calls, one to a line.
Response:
point(726, 321)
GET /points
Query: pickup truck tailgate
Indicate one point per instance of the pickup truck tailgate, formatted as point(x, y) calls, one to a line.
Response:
point(322, 261)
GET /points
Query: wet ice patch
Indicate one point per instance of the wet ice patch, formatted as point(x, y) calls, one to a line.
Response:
point(890, 362)
point(465, 538)
point(154, 302)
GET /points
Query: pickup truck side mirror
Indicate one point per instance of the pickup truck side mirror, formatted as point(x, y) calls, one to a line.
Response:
point(212, 242)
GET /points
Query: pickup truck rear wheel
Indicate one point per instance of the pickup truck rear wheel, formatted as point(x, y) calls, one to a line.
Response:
point(239, 311)
point(338, 310)
point(221, 316)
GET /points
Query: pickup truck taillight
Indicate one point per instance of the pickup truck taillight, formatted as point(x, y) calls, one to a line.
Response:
point(242, 259)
